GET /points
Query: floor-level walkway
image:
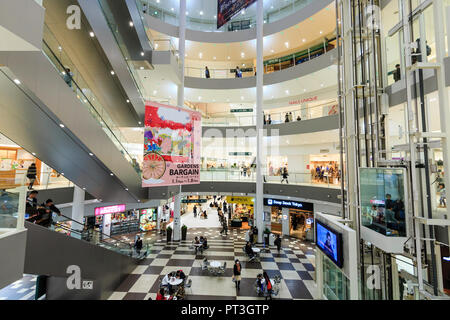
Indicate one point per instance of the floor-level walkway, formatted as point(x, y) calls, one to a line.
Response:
point(294, 264)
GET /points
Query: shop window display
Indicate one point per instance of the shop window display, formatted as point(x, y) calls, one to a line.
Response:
point(324, 171)
point(147, 219)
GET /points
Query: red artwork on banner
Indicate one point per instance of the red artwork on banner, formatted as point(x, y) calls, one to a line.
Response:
point(171, 146)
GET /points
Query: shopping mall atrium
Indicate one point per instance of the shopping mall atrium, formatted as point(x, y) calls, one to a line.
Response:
point(313, 165)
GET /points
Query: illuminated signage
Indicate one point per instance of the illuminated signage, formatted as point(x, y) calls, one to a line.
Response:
point(110, 209)
point(300, 101)
point(289, 204)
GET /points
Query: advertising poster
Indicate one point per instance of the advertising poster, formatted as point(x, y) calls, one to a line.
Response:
point(226, 9)
point(172, 140)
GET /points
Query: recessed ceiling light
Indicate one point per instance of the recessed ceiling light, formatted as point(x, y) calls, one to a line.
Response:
point(126, 189)
point(61, 125)
point(321, 32)
point(59, 48)
point(215, 17)
point(243, 12)
point(304, 40)
point(201, 13)
point(91, 154)
point(33, 153)
point(128, 101)
point(139, 122)
point(111, 174)
point(91, 34)
point(286, 44)
point(62, 173)
point(112, 72)
point(17, 81)
point(141, 68)
point(142, 53)
point(84, 188)
point(131, 23)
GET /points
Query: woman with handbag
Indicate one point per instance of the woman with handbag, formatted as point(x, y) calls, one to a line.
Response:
point(237, 273)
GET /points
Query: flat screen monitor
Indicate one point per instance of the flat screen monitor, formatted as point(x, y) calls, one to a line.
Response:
point(329, 242)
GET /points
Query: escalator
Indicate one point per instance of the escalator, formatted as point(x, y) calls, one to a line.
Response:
point(79, 263)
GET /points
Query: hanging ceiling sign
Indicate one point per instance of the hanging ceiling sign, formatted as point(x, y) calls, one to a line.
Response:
point(227, 9)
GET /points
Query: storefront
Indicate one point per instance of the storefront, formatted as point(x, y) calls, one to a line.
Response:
point(276, 164)
point(187, 204)
point(113, 220)
point(14, 163)
point(324, 168)
point(242, 209)
point(293, 218)
point(148, 219)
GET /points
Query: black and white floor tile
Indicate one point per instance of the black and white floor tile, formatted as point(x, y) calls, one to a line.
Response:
point(294, 264)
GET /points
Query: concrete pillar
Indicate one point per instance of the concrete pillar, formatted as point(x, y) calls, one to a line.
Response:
point(181, 51)
point(177, 217)
point(285, 228)
point(260, 150)
point(78, 207)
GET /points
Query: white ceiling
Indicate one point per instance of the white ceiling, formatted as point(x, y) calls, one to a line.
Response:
point(167, 89)
point(299, 37)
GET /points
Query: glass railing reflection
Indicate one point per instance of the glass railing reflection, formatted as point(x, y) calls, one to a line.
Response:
point(307, 113)
point(249, 175)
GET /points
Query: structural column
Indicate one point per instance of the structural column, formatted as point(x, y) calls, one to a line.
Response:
point(260, 150)
point(78, 207)
point(181, 52)
point(180, 103)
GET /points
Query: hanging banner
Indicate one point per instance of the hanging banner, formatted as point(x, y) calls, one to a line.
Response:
point(172, 140)
point(226, 9)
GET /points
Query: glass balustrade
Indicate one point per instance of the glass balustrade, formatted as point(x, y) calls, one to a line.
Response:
point(300, 114)
point(71, 75)
point(205, 18)
point(74, 229)
point(296, 178)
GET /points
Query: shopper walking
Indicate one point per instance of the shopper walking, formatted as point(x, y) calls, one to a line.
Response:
point(268, 285)
point(285, 175)
point(286, 117)
point(291, 117)
point(207, 75)
point(195, 211)
point(237, 268)
point(277, 242)
point(138, 245)
point(31, 175)
point(68, 75)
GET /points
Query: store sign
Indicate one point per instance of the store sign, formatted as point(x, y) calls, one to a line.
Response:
point(300, 101)
point(289, 204)
point(99, 211)
point(241, 200)
point(240, 110)
point(193, 200)
point(172, 140)
point(226, 9)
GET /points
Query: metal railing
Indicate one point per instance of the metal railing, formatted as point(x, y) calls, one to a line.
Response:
point(249, 71)
point(61, 62)
point(238, 175)
point(207, 20)
point(306, 113)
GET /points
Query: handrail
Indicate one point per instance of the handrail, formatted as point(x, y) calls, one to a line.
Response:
point(88, 101)
point(293, 58)
point(103, 234)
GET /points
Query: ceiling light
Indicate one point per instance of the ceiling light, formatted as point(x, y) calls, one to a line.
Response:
point(126, 189)
point(228, 58)
point(128, 101)
point(131, 23)
point(286, 44)
point(215, 17)
point(139, 122)
point(141, 68)
point(304, 40)
point(201, 13)
point(155, 92)
point(200, 55)
point(91, 34)
point(59, 48)
point(111, 174)
point(287, 91)
point(187, 13)
point(112, 72)
point(172, 9)
point(91, 154)
point(199, 98)
point(157, 1)
point(321, 32)
point(139, 200)
point(62, 173)
point(243, 64)
point(33, 153)
point(61, 125)
point(271, 7)
point(243, 12)
point(242, 54)
point(142, 53)
point(272, 50)
point(16, 81)
point(84, 188)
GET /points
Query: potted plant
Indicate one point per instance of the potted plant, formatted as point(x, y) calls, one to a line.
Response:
point(266, 236)
point(183, 232)
point(169, 234)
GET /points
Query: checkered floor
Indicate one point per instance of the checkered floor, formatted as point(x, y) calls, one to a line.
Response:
point(23, 289)
point(294, 264)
